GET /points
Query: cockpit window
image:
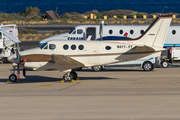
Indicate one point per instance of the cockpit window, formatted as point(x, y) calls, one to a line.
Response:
point(52, 46)
point(46, 47)
point(43, 45)
point(72, 31)
point(79, 31)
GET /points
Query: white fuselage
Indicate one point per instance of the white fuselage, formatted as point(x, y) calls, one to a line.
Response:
point(90, 53)
point(115, 32)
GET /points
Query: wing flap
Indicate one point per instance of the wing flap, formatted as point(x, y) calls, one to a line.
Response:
point(65, 61)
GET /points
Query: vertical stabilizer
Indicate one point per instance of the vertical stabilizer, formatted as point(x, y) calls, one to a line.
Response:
point(156, 33)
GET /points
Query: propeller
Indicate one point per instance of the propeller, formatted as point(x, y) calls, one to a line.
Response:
point(24, 70)
point(18, 58)
point(101, 29)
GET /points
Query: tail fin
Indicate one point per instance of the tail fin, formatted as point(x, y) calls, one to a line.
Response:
point(156, 33)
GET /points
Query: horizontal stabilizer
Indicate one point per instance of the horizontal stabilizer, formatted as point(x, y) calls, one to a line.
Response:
point(143, 48)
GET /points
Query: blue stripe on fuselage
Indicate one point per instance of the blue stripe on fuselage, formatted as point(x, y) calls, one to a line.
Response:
point(115, 38)
point(171, 45)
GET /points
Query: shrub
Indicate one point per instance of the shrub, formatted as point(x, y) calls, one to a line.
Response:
point(27, 31)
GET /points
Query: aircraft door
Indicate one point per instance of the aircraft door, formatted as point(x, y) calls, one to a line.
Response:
point(92, 32)
point(1, 39)
point(95, 49)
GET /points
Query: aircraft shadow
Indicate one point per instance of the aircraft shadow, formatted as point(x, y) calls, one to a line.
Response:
point(111, 70)
point(35, 79)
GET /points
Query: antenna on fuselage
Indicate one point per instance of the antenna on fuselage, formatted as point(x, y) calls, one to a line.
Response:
point(163, 9)
point(101, 29)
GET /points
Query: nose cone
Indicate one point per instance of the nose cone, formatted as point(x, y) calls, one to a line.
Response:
point(11, 58)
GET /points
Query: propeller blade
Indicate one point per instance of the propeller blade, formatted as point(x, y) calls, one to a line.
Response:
point(101, 29)
point(18, 71)
point(18, 57)
point(24, 72)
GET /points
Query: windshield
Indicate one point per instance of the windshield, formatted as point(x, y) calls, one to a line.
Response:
point(71, 30)
point(43, 45)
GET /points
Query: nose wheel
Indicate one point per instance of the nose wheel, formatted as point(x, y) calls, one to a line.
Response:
point(12, 78)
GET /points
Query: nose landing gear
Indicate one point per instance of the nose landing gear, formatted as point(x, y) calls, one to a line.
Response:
point(12, 78)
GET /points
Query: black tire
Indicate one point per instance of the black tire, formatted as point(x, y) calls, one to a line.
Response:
point(97, 68)
point(74, 75)
point(12, 78)
point(67, 77)
point(147, 66)
point(164, 64)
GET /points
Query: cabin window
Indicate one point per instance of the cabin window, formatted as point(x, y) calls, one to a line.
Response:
point(65, 47)
point(131, 31)
point(110, 31)
point(121, 31)
point(81, 47)
point(142, 32)
point(79, 31)
point(73, 47)
point(0, 51)
point(174, 32)
point(52, 46)
point(108, 47)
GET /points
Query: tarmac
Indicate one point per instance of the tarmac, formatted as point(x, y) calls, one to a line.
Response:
point(113, 94)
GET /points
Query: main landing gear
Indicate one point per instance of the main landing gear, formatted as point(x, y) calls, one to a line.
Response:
point(70, 77)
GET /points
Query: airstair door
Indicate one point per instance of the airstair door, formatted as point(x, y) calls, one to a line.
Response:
point(1, 39)
point(91, 31)
point(94, 50)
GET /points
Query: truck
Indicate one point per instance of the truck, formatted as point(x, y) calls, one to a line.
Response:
point(7, 34)
point(170, 57)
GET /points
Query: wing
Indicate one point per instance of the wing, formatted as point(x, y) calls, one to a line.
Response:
point(64, 60)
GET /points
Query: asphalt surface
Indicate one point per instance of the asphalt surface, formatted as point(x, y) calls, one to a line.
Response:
point(114, 94)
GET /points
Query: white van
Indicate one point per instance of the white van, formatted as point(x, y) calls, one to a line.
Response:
point(145, 64)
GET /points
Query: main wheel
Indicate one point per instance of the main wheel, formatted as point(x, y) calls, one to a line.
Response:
point(147, 66)
point(12, 78)
point(67, 77)
point(74, 75)
point(97, 68)
point(164, 64)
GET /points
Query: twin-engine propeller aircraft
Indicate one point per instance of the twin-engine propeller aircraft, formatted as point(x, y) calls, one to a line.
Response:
point(67, 55)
